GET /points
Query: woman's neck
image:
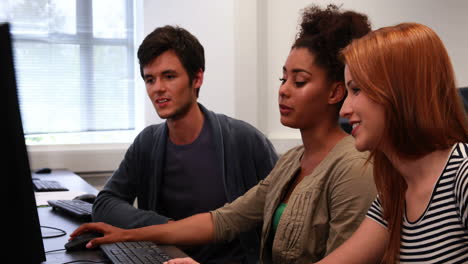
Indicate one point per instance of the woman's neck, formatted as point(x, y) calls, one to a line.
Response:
point(318, 142)
point(422, 172)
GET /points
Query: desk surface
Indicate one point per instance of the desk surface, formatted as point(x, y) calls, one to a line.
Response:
point(52, 218)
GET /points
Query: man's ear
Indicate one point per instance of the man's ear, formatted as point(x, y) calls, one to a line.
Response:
point(198, 79)
point(197, 82)
point(337, 92)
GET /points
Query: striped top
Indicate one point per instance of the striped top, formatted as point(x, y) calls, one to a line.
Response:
point(440, 235)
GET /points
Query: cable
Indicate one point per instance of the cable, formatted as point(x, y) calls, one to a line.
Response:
point(55, 250)
point(78, 261)
point(86, 261)
point(63, 232)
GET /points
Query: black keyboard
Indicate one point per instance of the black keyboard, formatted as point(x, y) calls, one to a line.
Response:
point(134, 252)
point(48, 186)
point(76, 208)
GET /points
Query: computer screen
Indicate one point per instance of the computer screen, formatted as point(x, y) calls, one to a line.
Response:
point(19, 210)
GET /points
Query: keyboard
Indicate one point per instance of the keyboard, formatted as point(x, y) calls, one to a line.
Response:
point(48, 186)
point(76, 208)
point(134, 252)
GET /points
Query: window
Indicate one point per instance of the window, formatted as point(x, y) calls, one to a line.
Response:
point(75, 68)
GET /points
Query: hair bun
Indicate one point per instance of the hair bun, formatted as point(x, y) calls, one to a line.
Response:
point(326, 31)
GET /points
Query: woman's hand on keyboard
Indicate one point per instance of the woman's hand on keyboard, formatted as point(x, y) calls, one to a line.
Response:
point(111, 234)
point(181, 261)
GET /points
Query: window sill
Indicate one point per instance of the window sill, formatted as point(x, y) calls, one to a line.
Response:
point(78, 157)
point(94, 158)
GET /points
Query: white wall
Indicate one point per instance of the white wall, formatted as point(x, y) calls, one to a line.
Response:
point(212, 22)
point(234, 53)
point(246, 43)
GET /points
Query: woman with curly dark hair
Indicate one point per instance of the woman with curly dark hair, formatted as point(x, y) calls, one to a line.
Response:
point(319, 192)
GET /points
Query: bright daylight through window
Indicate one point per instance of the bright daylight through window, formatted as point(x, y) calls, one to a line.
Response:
point(74, 64)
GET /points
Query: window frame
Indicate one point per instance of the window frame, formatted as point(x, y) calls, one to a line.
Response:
point(93, 157)
point(85, 39)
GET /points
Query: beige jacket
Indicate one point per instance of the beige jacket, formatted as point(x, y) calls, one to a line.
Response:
point(322, 212)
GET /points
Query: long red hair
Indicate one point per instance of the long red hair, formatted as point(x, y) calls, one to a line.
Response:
point(407, 70)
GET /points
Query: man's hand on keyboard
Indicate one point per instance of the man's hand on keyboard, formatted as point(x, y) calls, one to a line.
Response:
point(111, 234)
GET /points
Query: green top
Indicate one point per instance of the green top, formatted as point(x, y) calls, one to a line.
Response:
point(277, 216)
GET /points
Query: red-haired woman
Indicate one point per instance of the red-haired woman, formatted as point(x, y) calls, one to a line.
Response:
point(403, 106)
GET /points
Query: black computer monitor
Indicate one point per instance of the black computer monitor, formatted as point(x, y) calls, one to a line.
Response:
point(19, 211)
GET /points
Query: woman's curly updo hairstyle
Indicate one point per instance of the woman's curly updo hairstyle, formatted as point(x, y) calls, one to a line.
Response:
point(324, 32)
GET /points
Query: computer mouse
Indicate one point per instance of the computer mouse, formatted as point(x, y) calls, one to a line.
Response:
point(79, 242)
point(86, 198)
point(43, 171)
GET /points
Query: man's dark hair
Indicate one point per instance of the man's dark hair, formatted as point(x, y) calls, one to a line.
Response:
point(186, 46)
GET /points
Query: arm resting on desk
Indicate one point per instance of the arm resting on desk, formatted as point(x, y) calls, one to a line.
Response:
point(112, 210)
point(134, 178)
point(194, 230)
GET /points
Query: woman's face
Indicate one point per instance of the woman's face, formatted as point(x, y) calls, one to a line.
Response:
point(365, 115)
point(304, 94)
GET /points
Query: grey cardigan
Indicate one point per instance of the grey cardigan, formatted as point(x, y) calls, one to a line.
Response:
point(244, 154)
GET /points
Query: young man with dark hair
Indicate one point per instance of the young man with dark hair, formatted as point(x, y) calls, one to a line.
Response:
point(194, 162)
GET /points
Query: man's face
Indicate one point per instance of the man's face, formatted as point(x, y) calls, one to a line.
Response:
point(168, 86)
